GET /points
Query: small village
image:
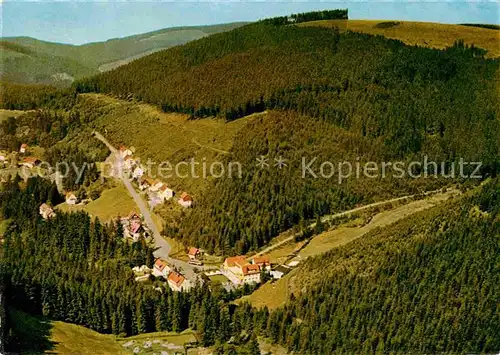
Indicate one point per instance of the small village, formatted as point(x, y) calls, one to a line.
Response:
point(21, 159)
point(157, 191)
point(233, 273)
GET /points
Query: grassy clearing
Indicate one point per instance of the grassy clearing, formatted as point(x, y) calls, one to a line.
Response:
point(3, 226)
point(218, 279)
point(37, 335)
point(276, 294)
point(4, 114)
point(158, 341)
point(271, 294)
point(113, 203)
point(163, 137)
point(435, 35)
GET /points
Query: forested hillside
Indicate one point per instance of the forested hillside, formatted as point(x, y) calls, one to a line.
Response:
point(429, 284)
point(238, 215)
point(426, 285)
point(29, 60)
point(348, 96)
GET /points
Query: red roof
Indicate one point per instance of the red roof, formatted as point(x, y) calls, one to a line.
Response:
point(135, 226)
point(236, 261)
point(24, 145)
point(186, 197)
point(250, 269)
point(122, 148)
point(176, 278)
point(264, 259)
point(160, 264)
point(30, 160)
point(193, 251)
point(163, 187)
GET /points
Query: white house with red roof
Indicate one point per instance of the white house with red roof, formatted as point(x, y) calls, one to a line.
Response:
point(178, 282)
point(23, 148)
point(263, 261)
point(138, 172)
point(30, 162)
point(239, 270)
point(185, 200)
point(71, 198)
point(124, 151)
point(194, 253)
point(129, 162)
point(161, 268)
point(155, 185)
point(165, 193)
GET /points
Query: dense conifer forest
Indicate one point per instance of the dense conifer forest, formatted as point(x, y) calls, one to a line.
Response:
point(427, 285)
point(404, 102)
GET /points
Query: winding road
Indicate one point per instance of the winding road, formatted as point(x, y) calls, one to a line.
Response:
point(162, 248)
point(343, 214)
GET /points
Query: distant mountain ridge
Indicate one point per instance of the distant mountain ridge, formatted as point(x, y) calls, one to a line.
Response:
point(29, 60)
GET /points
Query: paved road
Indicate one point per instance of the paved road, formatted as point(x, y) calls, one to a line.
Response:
point(162, 247)
point(343, 214)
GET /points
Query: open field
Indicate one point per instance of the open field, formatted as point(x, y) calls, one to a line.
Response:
point(3, 226)
point(113, 203)
point(275, 294)
point(428, 34)
point(163, 137)
point(156, 343)
point(10, 113)
point(36, 335)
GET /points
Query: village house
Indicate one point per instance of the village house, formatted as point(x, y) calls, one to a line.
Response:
point(124, 151)
point(128, 162)
point(71, 198)
point(136, 230)
point(155, 185)
point(23, 148)
point(161, 268)
point(165, 193)
point(280, 271)
point(177, 282)
point(185, 200)
point(263, 262)
point(30, 162)
point(46, 211)
point(137, 173)
point(239, 270)
point(194, 253)
point(144, 183)
point(133, 227)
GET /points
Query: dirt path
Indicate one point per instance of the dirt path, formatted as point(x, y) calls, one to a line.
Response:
point(343, 214)
point(162, 247)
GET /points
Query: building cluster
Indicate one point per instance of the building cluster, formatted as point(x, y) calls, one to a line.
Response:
point(133, 227)
point(158, 191)
point(240, 271)
point(23, 160)
point(176, 281)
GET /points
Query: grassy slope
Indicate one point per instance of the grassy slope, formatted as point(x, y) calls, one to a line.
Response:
point(113, 203)
point(160, 136)
point(4, 114)
point(427, 34)
point(275, 294)
point(36, 335)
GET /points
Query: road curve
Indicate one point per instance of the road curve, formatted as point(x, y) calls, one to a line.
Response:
point(342, 214)
point(161, 245)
